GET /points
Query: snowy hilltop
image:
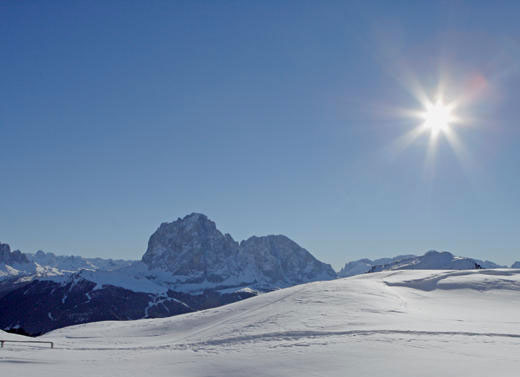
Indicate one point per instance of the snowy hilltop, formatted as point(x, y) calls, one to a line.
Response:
point(364, 265)
point(404, 323)
point(432, 260)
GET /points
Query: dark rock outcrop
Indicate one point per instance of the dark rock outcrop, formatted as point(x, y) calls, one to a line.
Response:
point(194, 249)
point(11, 257)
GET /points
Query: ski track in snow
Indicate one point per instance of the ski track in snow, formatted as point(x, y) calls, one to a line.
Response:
point(291, 336)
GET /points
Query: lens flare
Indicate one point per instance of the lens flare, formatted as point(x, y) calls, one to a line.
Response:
point(438, 116)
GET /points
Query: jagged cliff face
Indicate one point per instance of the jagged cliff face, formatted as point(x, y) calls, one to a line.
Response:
point(279, 260)
point(11, 257)
point(195, 249)
point(188, 265)
point(75, 263)
point(196, 264)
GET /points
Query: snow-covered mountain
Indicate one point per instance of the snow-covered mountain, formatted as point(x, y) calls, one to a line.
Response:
point(516, 265)
point(364, 265)
point(189, 265)
point(195, 252)
point(403, 323)
point(432, 260)
point(17, 265)
point(11, 257)
point(75, 263)
point(13, 263)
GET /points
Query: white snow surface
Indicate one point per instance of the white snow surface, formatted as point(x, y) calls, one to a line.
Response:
point(392, 323)
point(432, 260)
point(28, 271)
point(48, 266)
point(138, 277)
point(73, 263)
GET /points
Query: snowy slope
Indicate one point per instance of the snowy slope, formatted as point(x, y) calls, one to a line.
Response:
point(397, 323)
point(8, 336)
point(189, 265)
point(41, 265)
point(364, 265)
point(75, 263)
point(432, 260)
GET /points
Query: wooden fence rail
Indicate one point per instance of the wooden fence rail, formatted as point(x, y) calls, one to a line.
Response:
point(2, 341)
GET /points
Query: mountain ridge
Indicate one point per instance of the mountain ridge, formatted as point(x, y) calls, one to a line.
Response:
point(189, 264)
point(193, 249)
point(432, 259)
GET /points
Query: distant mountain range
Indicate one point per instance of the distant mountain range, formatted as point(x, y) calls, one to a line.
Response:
point(432, 260)
point(189, 265)
point(15, 264)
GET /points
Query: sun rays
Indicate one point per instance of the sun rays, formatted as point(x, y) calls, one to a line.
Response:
point(437, 118)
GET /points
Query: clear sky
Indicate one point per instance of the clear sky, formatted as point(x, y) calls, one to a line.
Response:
point(268, 116)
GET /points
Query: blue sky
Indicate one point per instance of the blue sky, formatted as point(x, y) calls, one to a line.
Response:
point(269, 117)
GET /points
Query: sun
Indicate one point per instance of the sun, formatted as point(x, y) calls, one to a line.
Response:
point(441, 117)
point(438, 116)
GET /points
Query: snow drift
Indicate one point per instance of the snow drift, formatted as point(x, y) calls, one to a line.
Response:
point(394, 323)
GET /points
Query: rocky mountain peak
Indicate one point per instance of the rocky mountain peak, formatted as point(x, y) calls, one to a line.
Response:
point(195, 251)
point(192, 247)
point(434, 254)
point(435, 260)
point(9, 257)
point(282, 261)
point(4, 249)
point(42, 254)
